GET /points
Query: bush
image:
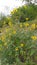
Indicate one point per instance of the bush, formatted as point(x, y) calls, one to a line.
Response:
point(24, 12)
point(21, 14)
point(19, 44)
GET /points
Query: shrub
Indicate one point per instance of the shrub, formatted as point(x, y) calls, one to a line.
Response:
point(19, 44)
point(25, 12)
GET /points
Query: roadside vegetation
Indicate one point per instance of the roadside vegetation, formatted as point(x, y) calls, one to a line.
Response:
point(18, 36)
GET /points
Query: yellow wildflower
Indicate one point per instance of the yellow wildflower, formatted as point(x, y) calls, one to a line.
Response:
point(14, 32)
point(34, 37)
point(2, 38)
point(27, 19)
point(5, 44)
point(36, 26)
point(26, 24)
point(22, 45)
point(21, 25)
point(33, 26)
point(10, 24)
point(13, 11)
point(16, 49)
point(25, 7)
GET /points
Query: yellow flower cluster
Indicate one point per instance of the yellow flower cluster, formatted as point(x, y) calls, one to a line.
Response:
point(36, 25)
point(20, 25)
point(10, 24)
point(27, 19)
point(16, 48)
point(3, 38)
point(22, 45)
point(5, 44)
point(26, 24)
point(15, 10)
point(33, 26)
point(14, 32)
point(25, 7)
point(34, 37)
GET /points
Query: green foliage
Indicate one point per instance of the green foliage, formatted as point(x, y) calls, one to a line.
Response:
point(21, 14)
point(24, 12)
point(18, 46)
point(3, 20)
point(18, 41)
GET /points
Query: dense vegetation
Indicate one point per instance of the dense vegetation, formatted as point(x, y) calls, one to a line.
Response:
point(18, 36)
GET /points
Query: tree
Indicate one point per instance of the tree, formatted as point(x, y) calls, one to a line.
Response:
point(30, 1)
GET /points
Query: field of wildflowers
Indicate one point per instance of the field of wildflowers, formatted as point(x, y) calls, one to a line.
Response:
point(18, 39)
